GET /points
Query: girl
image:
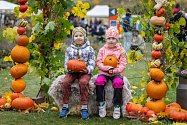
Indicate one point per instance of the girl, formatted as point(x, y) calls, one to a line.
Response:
point(106, 72)
point(79, 49)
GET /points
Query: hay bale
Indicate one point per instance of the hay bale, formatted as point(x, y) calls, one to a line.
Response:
point(55, 91)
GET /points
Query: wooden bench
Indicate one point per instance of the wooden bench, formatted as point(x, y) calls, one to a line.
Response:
point(55, 91)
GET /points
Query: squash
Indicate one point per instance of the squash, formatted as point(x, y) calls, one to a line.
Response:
point(155, 63)
point(156, 74)
point(76, 65)
point(18, 85)
point(20, 54)
point(158, 38)
point(22, 40)
point(157, 21)
point(21, 30)
point(156, 54)
point(160, 12)
point(22, 103)
point(18, 70)
point(110, 61)
point(156, 105)
point(156, 90)
point(157, 46)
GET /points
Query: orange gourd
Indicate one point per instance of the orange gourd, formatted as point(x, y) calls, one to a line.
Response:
point(110, 61)
point(158, 21)
point(20, 54)
point(18, 70)
point(22, 40)
point(156, 74)
point(16, 95)
point(2, 101)
point(157, 105)
point(22, 103)
point(18, 85)
point(156, 90)
point(76, 65)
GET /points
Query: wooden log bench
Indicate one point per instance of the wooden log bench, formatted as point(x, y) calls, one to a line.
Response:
point(55, 91)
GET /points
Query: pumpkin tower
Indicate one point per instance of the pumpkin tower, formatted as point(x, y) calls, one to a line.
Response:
point(157, 88)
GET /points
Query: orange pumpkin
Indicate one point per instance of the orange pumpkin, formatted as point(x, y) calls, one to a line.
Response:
point(156, 90)
point(110, 61)
point(22, 103)
point(150, 113)
point(132, 107)
point(160, 12)
point(157, 105)
point(158, 38)
point(22, 40)
point(20, 54)
point(156, 74)
point(21, 30)
point(16, 95)
point(156, 54)
point(18, 70)
point(178, 115)
point(2, 101)
point(76, 65)
point(18, 85)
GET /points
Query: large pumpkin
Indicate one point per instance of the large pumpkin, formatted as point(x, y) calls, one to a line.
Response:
point(18, 85)
point(110, 61)
point(18, 70)
point(22, 40)
point(156, 90)
point(157, 105)
point(76, 65)
point(156, 74)
point(2, 101)
point(158, 21)
point(20, 54)
point(22, 103)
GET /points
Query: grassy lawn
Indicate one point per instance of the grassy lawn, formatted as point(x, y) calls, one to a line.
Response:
point(133, 73)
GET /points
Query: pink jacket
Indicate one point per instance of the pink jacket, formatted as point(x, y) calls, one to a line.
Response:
point(118, 52)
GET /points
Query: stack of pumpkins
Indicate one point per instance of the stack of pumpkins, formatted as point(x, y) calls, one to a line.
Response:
point(157, 88)
point(20, 55)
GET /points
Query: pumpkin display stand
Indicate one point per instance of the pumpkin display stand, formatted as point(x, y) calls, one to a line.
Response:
point(181, 93)
point(55, 91)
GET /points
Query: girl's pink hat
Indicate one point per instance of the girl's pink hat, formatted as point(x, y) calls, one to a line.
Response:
point(112, 32)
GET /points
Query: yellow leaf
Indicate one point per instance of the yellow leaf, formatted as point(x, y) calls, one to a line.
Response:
point(143, 33)
point(134, 87)
point(134, 100)
point(173, 2)
point(7, 58)
point(57, 45)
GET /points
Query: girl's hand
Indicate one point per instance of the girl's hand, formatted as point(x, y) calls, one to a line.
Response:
point(110, 71)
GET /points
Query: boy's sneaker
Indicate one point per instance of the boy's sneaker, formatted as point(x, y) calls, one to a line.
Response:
point(102, 110)
point(117, 112)
point(85, 114)
point(64, 112)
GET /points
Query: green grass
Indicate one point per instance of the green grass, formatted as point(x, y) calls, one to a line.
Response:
point(133, 73)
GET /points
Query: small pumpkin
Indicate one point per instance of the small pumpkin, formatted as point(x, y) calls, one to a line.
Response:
point(22, 2)
point(20, 54)
point(157, 46)
point(156, 74)
point(18, 70)
point(157, 21)
point(21, 30)
point(150, 113)
point(158, 38)
point(16, 95)
point(155, 63)
point(22, 103)
point(22, 40)
point(110, 61)
point(18, 85)
point(156, 105)
point(2, 101)
point(156, 90)
point(160, 12)
point(23, 8)
point(156, 54)
point(76, 65)
point(132, 107)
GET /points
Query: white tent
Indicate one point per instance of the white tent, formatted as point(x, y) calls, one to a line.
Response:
point(99, 11)
point(7, 6)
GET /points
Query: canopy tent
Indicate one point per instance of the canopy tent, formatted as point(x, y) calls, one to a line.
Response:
point(99, 11)
point(7, 6)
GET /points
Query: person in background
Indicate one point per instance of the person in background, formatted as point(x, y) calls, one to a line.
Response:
point(79, 49)
point(106, 72)
point(138, 42)
point(127, 28)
